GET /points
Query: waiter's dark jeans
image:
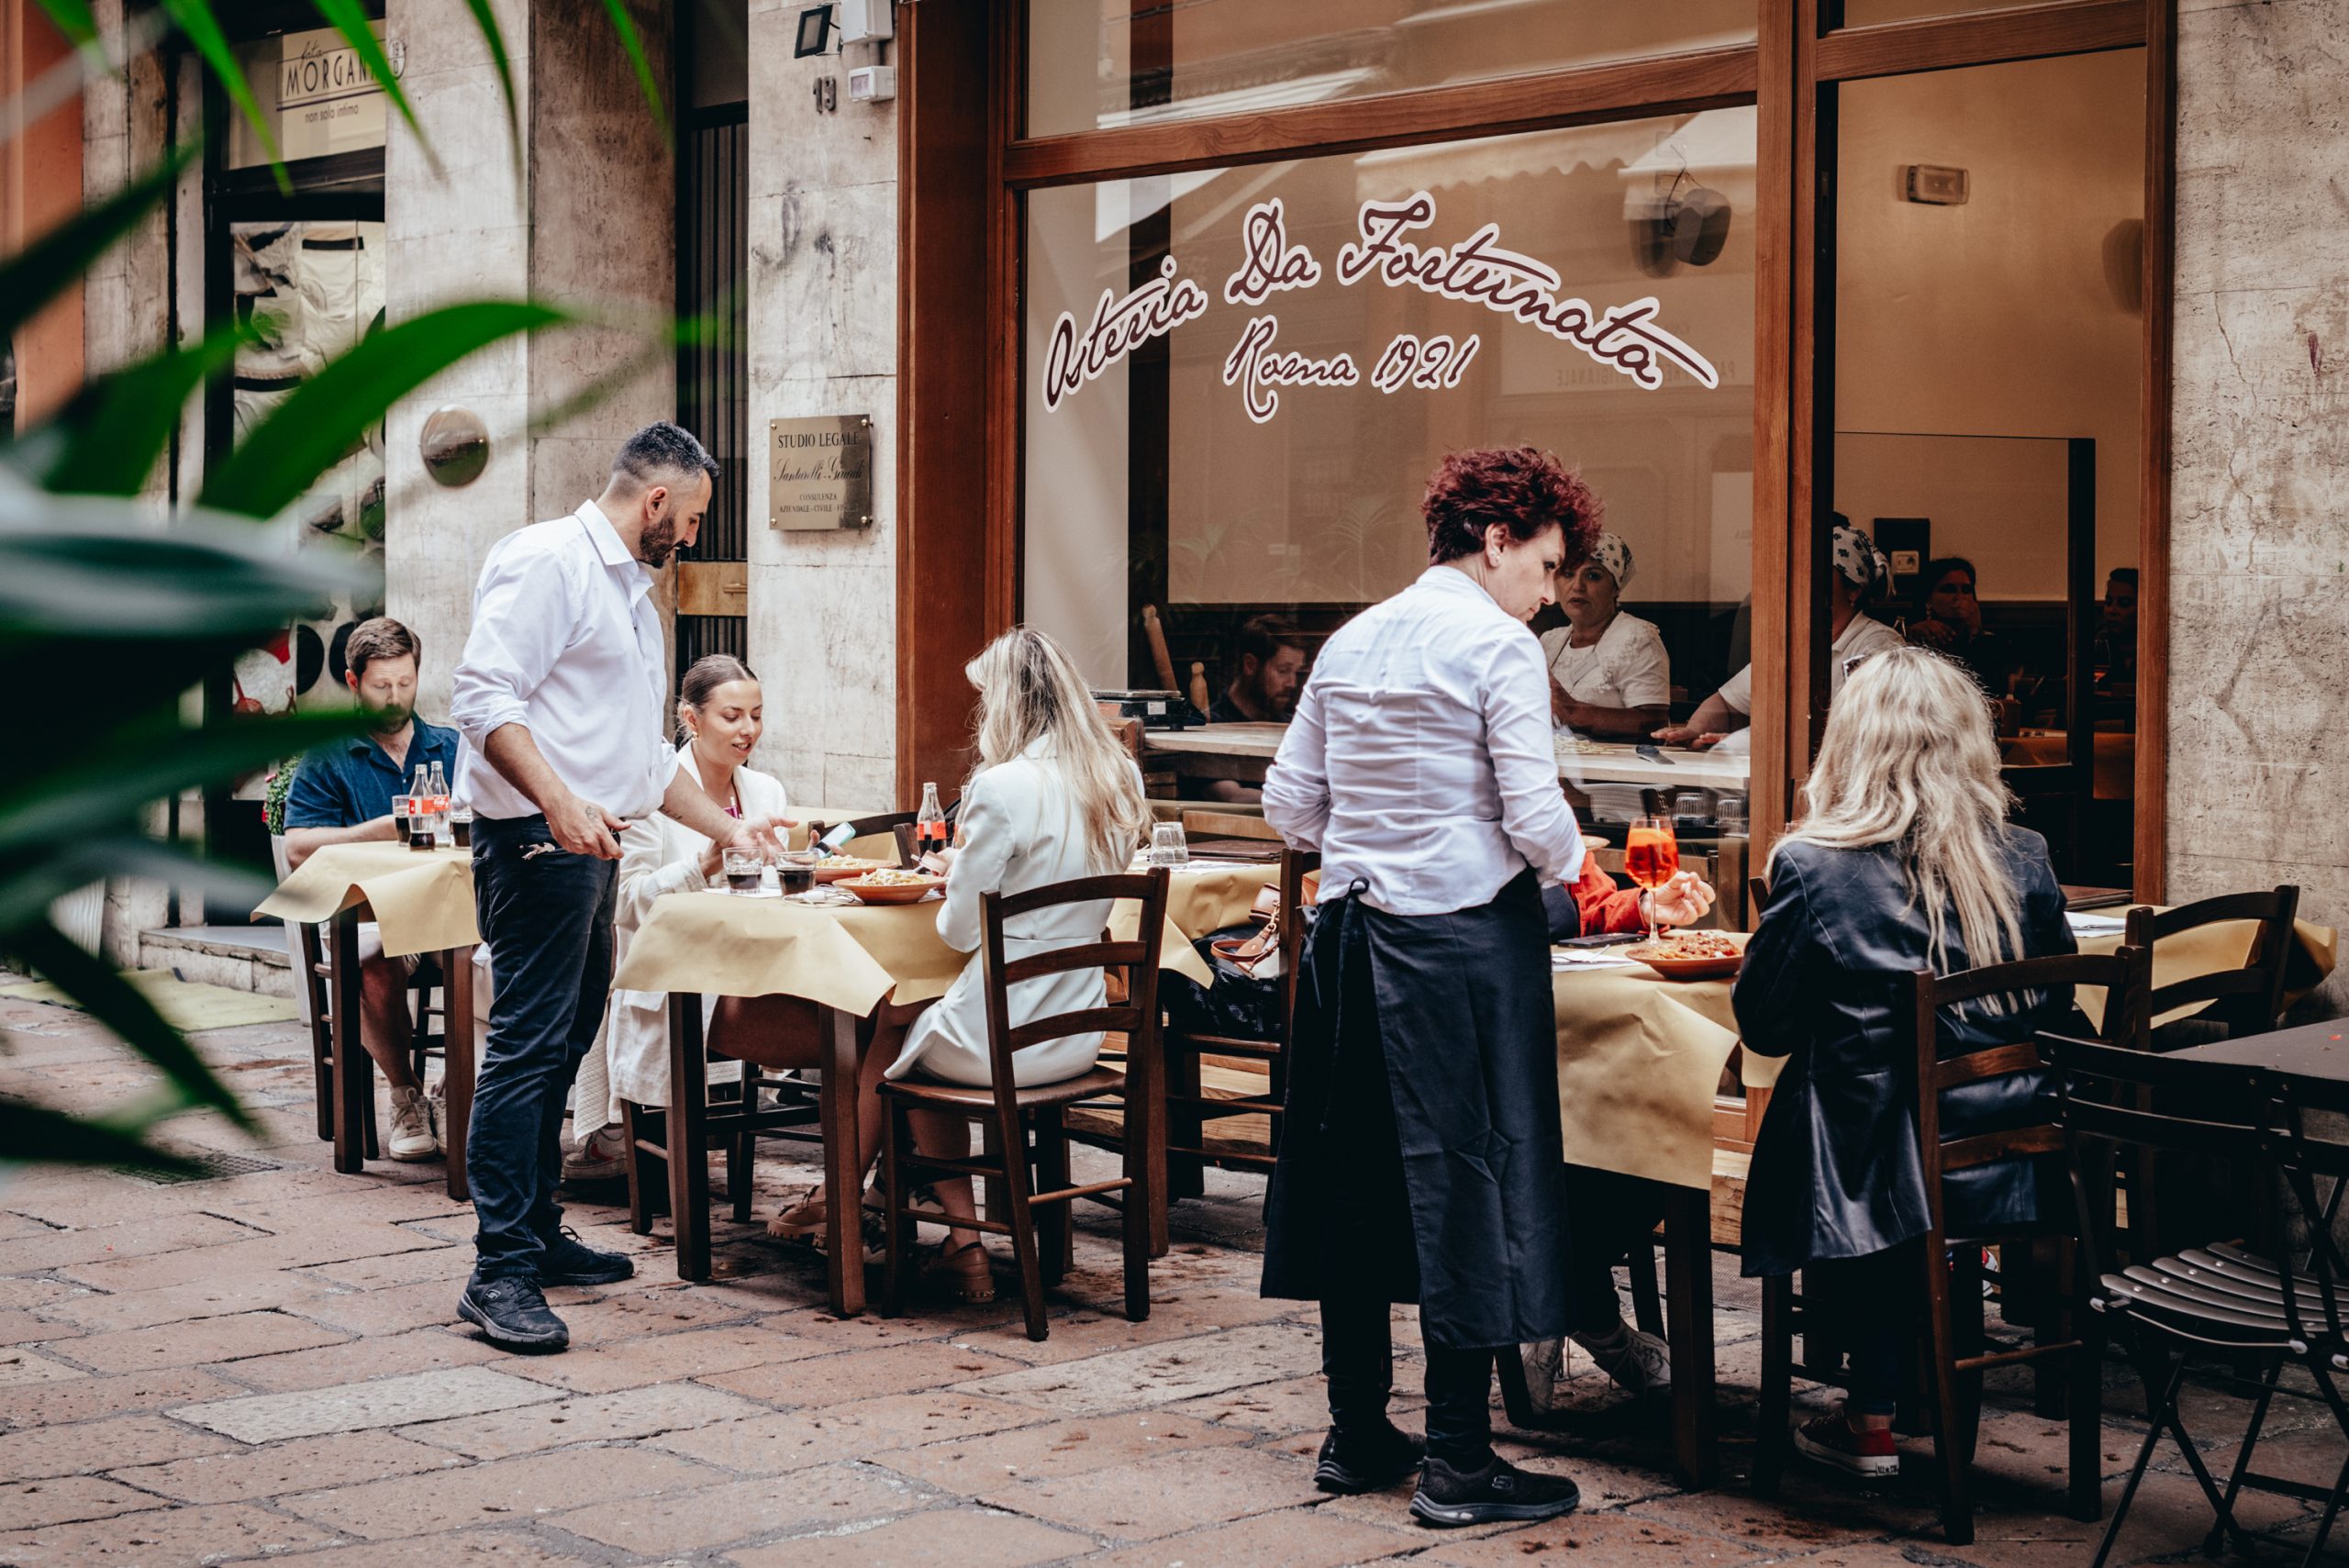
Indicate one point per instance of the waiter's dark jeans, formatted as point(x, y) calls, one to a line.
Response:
point(547, 919)
point(1357, 1349)
point(1608, 1214)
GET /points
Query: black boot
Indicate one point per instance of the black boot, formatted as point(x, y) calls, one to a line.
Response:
point(1499, 1491)
point(1370, 1460)
point(513, 1312)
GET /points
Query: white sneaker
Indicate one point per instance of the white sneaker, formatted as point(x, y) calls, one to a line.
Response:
point(436, 1106)
point(603, 1158)
point(411, 1137)
point(1639, 1363)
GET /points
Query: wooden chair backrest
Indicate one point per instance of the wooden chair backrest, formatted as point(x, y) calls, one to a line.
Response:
point(897, 826)
point(1226, 825)
point(1295, 866)
point(1136, 1017)
point(1920, 998)
point(2250, 1000)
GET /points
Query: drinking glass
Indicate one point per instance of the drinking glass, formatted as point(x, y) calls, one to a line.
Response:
point(1167, 845)
point(1650, 856)
point(743, 868)
point(796, 870)
point(403, 806)
point(461, 823)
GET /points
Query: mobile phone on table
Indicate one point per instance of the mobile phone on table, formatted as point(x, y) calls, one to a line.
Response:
point(834, 841)
point(1603, 940)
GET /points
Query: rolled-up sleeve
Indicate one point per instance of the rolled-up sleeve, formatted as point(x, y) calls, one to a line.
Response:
point(522, 615)
point(1297, 787)
point(1534, 813)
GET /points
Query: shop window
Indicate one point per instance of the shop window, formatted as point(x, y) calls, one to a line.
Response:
point(1987, 379)
point(1236, 385)
point(1099, 64)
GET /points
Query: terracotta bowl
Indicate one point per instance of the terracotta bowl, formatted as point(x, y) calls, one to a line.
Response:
point(895, 893)
point(1659, 960)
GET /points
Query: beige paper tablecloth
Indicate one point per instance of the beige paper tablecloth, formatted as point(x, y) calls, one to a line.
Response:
point(422, 901)
point(1639, 1059)
point(847, 958)
point(1198, 902)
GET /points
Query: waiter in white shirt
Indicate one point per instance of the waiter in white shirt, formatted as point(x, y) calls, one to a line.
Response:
point(561, 693)
point(1420, 1156)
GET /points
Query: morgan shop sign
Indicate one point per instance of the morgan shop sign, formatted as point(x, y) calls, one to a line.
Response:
point(1627, 338)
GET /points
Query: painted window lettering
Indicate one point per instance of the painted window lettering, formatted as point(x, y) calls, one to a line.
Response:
point(1119, 326)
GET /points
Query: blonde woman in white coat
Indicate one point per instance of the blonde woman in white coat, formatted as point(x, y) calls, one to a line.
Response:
point(1053, 798)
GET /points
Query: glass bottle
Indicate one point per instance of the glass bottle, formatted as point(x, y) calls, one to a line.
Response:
point(420, 820)
point(442, 833)
point(929, 823)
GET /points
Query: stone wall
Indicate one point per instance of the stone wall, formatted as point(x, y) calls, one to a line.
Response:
point(2259, 620)
point(823, 339)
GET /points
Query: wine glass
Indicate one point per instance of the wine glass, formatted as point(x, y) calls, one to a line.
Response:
point(1651, 858)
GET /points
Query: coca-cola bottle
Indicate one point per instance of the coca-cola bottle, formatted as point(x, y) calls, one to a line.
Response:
point(420, 813)
point(929, 823)
point(442, 833)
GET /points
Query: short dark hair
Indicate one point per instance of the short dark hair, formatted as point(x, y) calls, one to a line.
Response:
point(1940, 567)
point(381, 637)
point(1263, 636)
point(1524, 489)
point(661, 451)
point(2123, 575)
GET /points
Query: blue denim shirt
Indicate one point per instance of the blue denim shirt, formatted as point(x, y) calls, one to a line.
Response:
point(346, 783)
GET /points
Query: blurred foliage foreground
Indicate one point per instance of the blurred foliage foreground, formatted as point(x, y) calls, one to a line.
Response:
point(110, 612)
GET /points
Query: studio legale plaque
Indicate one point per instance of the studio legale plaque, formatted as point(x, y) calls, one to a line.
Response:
point(819, 471)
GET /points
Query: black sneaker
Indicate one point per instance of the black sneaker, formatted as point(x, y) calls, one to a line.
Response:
point(1498, 1492)
point(570, 1261)
point(1367, 1462)
point(514, 1313)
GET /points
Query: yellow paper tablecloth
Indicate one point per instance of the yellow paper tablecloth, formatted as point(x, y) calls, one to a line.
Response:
point(848, 957)
point(1199, 902)
point(422, 901)
point(1639, 1059)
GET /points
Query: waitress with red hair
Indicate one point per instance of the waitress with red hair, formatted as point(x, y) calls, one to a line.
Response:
point(1421, 1158)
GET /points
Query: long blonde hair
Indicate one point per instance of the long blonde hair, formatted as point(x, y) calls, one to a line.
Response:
point(1910, 760)
point(1030, 690)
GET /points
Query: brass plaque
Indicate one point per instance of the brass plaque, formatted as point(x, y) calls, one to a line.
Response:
point(713, 587)
point(819, 471)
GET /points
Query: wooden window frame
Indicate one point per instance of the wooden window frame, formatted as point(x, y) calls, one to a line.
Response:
point(965, 168)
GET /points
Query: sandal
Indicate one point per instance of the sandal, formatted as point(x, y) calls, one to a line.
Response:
point(803, 1220)
point(962, 1271)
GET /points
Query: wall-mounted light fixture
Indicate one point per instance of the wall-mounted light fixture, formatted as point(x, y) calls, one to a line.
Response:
point(1933, 184)
point(814, 35)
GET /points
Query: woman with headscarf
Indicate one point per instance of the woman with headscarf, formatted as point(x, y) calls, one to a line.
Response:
point(1861, 575)
point(1421, 1158)
point(1609, 672)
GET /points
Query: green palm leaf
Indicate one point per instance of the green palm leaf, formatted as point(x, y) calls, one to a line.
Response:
point(37, 1134)
point(113, 431)
point(327, 414)
point(74, 20)
point(486, 20)
point(625, 25)
point(349, 19)
point(201, 28)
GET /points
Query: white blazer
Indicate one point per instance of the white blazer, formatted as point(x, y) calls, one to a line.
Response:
point(1019, 831)
point(661, 855)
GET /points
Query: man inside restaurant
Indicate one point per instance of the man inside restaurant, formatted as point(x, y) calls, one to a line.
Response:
point(563, 691)
point(341, 794)
point(1267, 665)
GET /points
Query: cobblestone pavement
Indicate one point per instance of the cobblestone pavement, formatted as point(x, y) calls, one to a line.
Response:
point(268, 1364)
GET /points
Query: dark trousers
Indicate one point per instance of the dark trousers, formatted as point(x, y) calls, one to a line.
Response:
point(1866, 1302)
point(1608, 1214)
point(547, 919)
point(1357, 1350)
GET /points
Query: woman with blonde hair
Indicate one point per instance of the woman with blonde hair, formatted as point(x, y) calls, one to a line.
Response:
point(1904, 860)
point(1054, 798)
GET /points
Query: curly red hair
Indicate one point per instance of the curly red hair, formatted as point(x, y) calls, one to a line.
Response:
point(1524, 489)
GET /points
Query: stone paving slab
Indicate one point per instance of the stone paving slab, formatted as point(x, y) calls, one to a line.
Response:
point(266, 1368)
point(348, 1407)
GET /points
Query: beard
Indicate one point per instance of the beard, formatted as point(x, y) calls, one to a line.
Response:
point(659, 541)
point(389, 720)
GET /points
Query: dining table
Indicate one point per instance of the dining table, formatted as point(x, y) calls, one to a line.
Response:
point(421, 902)
point(847, 960)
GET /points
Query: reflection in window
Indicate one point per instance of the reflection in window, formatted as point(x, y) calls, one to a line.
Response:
point(1239, 381)
point(1099, 64)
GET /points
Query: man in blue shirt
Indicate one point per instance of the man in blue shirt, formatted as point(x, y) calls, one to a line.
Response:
point(343, 794)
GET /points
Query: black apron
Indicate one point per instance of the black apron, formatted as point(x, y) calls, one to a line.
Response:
point(1438, 1181)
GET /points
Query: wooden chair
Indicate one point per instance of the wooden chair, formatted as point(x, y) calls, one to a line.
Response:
point(898, 825)
point(1951, 1296)
point(1189, 1108)
point(2249, 1000)
point(1198, 824)
point(347, 1119)
point(1030, 1176)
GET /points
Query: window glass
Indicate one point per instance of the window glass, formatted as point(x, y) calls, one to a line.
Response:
point(315, 94)
point(1238, 382)
point(1094, 64)
point(1989, 241)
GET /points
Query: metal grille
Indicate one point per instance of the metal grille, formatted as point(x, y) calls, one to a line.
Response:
point(713, 375)
point(207, 1165)
point(701, 636)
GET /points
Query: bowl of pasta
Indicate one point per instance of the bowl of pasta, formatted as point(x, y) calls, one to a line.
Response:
point(1690, 955)
point(889, 885)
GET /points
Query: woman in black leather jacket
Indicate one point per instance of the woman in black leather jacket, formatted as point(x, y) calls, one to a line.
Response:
point(1903, 861)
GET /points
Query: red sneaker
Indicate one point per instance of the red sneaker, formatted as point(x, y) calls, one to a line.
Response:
point(1832, 1440)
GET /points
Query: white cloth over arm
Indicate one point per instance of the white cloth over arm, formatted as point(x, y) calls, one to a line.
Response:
point(1421, 760)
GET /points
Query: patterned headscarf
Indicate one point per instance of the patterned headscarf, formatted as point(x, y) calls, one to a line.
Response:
point(1610, 551)
point(1859, 562)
